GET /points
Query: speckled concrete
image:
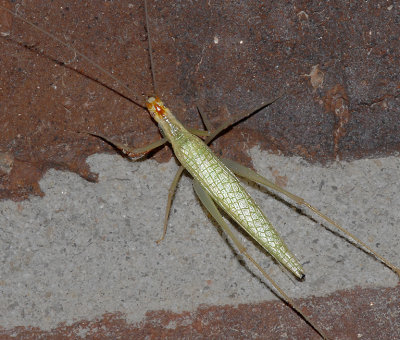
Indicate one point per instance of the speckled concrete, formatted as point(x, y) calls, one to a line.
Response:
point(86, 249)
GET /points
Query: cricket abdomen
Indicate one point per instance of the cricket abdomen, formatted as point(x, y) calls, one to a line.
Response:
point(226, 190)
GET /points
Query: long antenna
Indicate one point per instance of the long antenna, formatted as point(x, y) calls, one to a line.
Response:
point(150, 48)
point(87, 59)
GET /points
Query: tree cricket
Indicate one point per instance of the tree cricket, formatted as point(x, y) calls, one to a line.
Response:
point(215, 183)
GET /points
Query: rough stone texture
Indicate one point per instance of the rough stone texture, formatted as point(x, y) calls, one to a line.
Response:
point(88, 249)
point(336, 63)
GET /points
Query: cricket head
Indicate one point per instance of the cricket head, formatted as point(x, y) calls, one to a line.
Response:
point(157, 108)
point(167, 122)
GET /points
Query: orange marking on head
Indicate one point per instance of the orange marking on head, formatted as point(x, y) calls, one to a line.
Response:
point(156, 106)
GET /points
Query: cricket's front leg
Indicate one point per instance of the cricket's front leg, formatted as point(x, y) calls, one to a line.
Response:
point(131, 152)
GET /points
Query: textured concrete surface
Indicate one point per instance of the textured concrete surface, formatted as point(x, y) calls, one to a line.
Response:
point(84, 249)
point(337, 65)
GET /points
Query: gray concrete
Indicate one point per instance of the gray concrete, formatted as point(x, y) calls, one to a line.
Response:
point(86, 249)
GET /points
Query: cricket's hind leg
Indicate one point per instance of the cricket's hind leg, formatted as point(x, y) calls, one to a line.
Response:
point(209, 204)
point(251, 175)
